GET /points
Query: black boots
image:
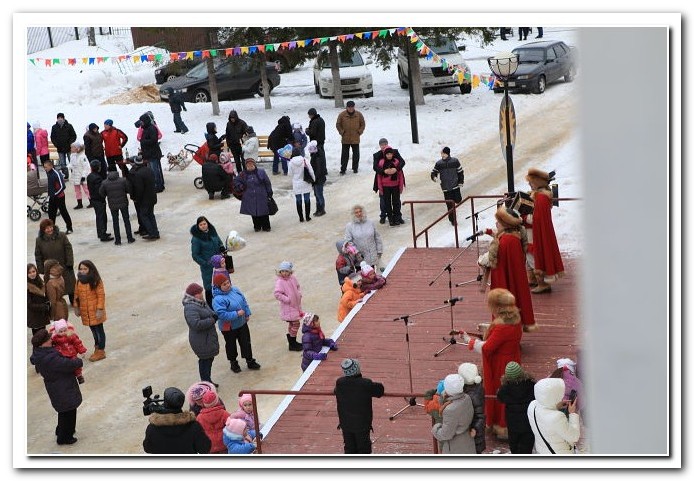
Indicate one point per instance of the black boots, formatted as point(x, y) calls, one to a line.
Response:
point(79, 204)
point(300, 212)
point(293, 345)
point(308, 210)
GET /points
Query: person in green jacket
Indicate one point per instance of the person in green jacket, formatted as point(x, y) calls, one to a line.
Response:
point(205, 243)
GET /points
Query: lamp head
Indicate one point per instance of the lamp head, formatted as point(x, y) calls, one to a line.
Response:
point(503, 64)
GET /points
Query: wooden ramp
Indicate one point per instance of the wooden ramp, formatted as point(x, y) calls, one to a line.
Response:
point(308, 424)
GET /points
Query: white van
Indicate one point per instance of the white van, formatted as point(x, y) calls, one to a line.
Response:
point(434, 76)
point(355, 77)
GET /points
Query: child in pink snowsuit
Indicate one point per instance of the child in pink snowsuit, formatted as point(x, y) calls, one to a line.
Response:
point(288, 293)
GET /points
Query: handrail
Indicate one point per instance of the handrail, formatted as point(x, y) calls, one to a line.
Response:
point(253, 392)
point(425, 231)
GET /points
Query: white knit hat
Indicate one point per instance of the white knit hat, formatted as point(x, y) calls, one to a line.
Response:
point(453, 384)
point(468, 371)
point(568, 363)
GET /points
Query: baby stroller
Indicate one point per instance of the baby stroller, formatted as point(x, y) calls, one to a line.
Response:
point(37, 191)
point(199, 155)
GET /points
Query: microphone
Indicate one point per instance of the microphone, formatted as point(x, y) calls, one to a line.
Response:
point(453, 300)
point(475, 235)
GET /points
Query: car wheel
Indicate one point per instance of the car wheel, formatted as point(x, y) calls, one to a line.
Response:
point(170, 77)
point(197, 182)
point(540, 85)
point(201, 96)
point(401, 78)
point(259, 88)
point(369, 95)
point(465, 88)
point(569, 77)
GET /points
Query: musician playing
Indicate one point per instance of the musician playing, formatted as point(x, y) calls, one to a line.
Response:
point(544, 264)
point(506, 261)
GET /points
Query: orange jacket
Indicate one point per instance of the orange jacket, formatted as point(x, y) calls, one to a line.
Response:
point(89, 300)
point(350, 296)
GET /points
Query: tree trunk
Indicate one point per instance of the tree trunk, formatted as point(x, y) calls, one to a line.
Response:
point(264, 80)
point(335, 70)
point(91, 37)
point(214, 98)
point(416, 76)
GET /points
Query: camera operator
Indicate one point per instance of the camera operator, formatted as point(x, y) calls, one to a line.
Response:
point(172, 431)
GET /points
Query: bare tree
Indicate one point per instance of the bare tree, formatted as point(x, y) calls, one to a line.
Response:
point(214, 97)
point(91, 37)
point(335, 70)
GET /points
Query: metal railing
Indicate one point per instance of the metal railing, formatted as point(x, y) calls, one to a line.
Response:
point(454, 209)
point(259, 441)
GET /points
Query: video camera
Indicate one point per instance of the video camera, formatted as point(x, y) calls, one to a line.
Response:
point(151, 404)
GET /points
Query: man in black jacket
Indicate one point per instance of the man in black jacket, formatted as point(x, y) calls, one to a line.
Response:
point(177, 105)
point(316, 129)
point(94, 181)
point(62, 137)
point(58, 374)
point(172, 431)
point(144, 196)
point(236, 127)
point(56, 195)
point(214, 178)
point(278, 138)
point(151, 151)
point(452, 177)
point(354, 410)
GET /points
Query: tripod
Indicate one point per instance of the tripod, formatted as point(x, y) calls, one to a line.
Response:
point(452, 300)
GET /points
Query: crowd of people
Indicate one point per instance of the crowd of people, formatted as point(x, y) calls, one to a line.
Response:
point(523, 255)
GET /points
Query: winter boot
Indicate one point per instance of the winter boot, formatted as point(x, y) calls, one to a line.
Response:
point(98, 355)
point(308, 210)
point(79, 204)
point(501, 433)
point(293, 345)
point(532, 280)
point(300, 212)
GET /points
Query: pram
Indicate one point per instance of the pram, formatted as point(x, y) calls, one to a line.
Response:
point(37, 191)
point(199, 154)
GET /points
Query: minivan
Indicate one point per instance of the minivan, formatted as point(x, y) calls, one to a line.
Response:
point(434, 76)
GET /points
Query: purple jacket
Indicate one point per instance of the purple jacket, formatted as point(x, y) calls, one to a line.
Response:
point(312, 344)
point(257, 191)
point(288, 292)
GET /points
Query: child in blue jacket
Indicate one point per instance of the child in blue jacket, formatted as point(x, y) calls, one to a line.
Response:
point(237, 437)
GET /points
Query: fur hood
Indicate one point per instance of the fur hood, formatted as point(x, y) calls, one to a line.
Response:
point(36, 290)
point(188, 299)
point(171, 419)
point(54, 235)
point(196, 232)
point(549, 392)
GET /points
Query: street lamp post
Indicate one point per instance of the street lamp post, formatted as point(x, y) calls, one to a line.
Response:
point(504, 65)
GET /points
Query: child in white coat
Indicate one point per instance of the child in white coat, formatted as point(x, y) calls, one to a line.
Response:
point(79, 170)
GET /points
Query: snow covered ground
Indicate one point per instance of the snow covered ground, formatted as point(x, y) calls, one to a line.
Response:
point(147, 339)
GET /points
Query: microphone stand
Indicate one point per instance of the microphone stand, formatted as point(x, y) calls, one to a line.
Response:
point(452, 341)
point(411, 402)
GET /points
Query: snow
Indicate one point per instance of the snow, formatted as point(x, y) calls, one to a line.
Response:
point(146, 336)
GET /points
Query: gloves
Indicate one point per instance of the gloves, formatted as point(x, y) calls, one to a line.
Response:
point(332, 345)
point(99, 314)
point(320, 356)
point(433, 177)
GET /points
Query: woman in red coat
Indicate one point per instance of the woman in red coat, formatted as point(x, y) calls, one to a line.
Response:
point(500, 346)
point(507, 263)
point(544, 260)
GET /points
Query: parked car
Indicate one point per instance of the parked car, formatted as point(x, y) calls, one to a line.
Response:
point(434, 76)
point(540, 63)
point(175, 69)
point(235, 76)
point(355, 77)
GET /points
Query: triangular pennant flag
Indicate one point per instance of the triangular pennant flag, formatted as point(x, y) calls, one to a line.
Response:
point(173, 56)
point(237, 51)
point(91, 60)
point(308, 41)
point(367, 35)
point(292, 45)
point(301, 43)
point(261, 48)
point(244, 50)
point(277, 46)
point(48, 62)
point(475, 81)
point(253, 49)
point(101, 59)
point(269, 47)
point(32, 61)
point(359, 35)
point(85, 60)
point(341, 38)
point(71, 61)
point(197, 53)
point(205, 54)
point(316, 41)
point(157, 57)
point(332, 39)
point(374, 34)
point(284, 45)
point(189, 55)
point(391, 31)
point(350, 36)
point(383, 33)
point(213, 53)
point(56, 61)
point(150, 58)
point(324, 40)
point(143, 58)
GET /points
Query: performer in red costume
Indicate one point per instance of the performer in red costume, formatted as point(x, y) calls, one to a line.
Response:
point(507, 262)
point(500, 346)
point(544, 262)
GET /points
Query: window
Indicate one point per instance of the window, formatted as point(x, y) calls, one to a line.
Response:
point(559, 50)
point(550, 54)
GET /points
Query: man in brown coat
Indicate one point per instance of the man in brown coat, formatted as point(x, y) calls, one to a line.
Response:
point(350, 125)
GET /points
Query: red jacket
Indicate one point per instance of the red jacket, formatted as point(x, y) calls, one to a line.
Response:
point(114, 140)
point(510, 274)
point(544, 247)
point(501, 347)
point(212, 421)
point(68, 345)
